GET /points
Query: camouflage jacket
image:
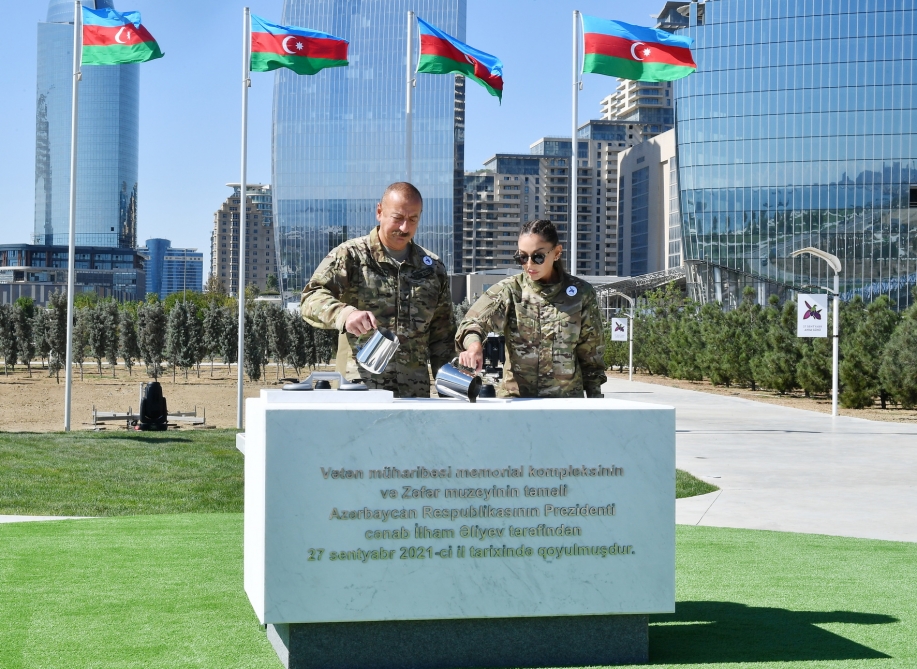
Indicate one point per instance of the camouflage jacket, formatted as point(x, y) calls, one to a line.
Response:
point(412, 300)
point(554, 337)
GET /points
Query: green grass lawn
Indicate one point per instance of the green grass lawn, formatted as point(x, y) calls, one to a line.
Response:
point(132, 473)
point(120, 473)
point(166, 591)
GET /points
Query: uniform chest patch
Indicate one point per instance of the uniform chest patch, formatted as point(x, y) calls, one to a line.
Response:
point(571, 290)
point(421, 274)
point(428, 261)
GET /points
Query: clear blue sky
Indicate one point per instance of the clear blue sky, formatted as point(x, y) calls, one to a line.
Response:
point(190, 102)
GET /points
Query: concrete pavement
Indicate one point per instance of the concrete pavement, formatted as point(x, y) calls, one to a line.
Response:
point(788, 469)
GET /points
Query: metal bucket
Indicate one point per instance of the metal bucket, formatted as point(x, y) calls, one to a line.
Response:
point(376, 353)
point(451, 381)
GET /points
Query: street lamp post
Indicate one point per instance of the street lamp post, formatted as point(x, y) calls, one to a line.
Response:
point(630, 334)
point(835, 264)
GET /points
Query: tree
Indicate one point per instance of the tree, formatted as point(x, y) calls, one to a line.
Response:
point(746, 326)
point(717, 331)
point(214, 290)
point(151, 333)
point(782, 355)
point(112, 322)
point(81, 327)
point(616, 352)
point(271, 283)
point(182, 337)
point(213, 332)
point(863, 349)
point(255, 343)
point(8, 337)
point(758, 363)
point(326, 345)
point(302, 343)
point(278, 336)
point(814, 369)
point(128, 348)
point(229, 338)
point(41, 326)
point(686, 342)
point(57, 334)
point(898, 372)
point(97, 329)
point(23, 319)
point(198, 299)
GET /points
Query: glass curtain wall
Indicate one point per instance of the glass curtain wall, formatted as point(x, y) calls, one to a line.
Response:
point(800, 129)
point(339, 136)
point(107, 146)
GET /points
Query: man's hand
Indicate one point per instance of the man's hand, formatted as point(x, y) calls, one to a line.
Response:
point(360, 322)
point(473, 356)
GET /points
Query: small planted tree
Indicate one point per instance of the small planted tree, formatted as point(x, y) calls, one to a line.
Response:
point(81, 327)
point(57, 334)
point(128, 348)
point(212, 332)
point(255, 344)
point(229, 337)
point(97, 329)
point(278, 337)
point(8, 347)
point(112, 322)
point(23, 319)
point(782, 354)
point(863, 351)
point(151, 332)
point(326, 345)
point(41, 325)
point(898, 372)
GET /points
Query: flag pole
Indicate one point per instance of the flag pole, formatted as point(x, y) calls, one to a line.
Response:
point(574, 146)
point(409, 120)
point(243, 205)
point(71, 249)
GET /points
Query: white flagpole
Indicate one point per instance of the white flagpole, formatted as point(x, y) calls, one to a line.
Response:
point(409, 120)
point(243, 200)
point(574, 153)
point(71, 250)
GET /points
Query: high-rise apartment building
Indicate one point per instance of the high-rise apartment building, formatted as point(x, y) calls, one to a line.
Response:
point(170, 270)
point(647, 103)
point(649, 227)
point(799, 129)
point(260, 240)
point(339, 137)
point(107, 141)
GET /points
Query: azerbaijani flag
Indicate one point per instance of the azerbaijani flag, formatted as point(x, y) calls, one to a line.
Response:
point(441, 54)
point(110, 38)
point(302, 50)
point(623, 50)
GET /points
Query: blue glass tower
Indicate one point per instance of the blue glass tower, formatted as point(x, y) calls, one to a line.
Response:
point(798, 129)
point(107, 144)
point(339, 136)
point(170, 270)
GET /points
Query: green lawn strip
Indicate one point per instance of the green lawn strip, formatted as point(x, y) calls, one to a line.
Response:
point(146, 591)
point(777, 599)
point(166, 591)
point(687, 485)
point(120, 473)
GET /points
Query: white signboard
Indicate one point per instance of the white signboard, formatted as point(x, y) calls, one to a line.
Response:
point(441, 509)
point(619, 329)
point(812, 316)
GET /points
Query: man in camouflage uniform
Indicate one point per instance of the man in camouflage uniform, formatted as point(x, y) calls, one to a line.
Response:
point(386, 280)
point(554, 336)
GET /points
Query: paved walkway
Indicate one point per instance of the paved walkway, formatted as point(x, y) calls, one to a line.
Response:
point(23, 519)
point(788, 469)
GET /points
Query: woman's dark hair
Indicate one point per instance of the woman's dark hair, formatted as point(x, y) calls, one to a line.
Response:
point(543, 228)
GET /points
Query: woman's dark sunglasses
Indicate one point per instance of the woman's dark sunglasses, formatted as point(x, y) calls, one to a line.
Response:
point(523, 258)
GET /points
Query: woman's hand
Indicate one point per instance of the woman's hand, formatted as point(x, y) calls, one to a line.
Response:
point(473, 356)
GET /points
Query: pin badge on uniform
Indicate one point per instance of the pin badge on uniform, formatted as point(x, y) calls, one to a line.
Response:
point(427, 260)
point(571, 291)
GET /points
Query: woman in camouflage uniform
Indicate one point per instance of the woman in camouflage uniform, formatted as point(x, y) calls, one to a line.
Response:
point(551, 321)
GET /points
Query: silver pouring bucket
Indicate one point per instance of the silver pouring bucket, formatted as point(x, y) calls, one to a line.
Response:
point(451, 381)
point(376, 353)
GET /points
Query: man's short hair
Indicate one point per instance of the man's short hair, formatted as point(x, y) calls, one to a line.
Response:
point(406, 190)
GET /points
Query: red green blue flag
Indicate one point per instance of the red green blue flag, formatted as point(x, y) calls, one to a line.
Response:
point(441, 53)
point(619, 49)
point(302, 50)
point(111, 38)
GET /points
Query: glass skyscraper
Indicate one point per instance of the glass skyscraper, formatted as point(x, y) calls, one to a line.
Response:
point(107, 143)
point(339, 136)
point(798, 129)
